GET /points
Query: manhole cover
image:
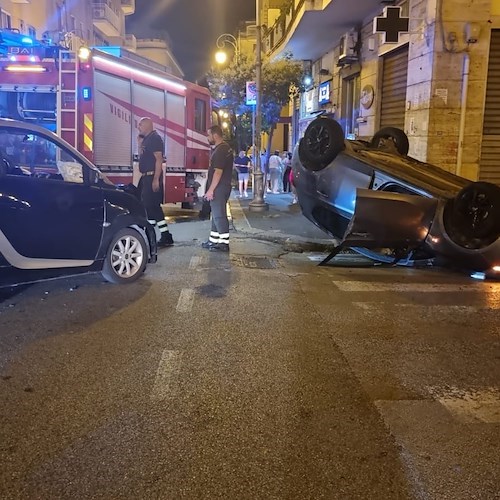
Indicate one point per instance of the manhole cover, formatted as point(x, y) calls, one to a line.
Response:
point(255, 262)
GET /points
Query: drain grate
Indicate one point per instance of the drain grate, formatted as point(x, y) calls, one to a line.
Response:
point(254, 262)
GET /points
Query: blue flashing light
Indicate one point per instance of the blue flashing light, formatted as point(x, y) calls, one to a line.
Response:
point(86, 93)
point(478, 276)
point(26, 40)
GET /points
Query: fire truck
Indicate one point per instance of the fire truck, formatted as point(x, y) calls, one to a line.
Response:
point(93, 99)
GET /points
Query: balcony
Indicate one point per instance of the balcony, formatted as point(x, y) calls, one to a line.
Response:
point(130, 42)
point(310, 28)
point(128, 7)
point(105, 19)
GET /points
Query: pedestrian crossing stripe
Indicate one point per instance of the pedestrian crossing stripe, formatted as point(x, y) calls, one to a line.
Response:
point(459, 309)
point(366, 286)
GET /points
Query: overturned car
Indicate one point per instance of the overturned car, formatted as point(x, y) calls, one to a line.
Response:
point(372, 197)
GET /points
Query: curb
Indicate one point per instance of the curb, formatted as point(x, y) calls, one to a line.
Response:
point(290, 242)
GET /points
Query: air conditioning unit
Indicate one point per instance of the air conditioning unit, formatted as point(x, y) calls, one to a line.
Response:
point(348, 48)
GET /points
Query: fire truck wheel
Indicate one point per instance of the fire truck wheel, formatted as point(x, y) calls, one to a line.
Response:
point(126, 257)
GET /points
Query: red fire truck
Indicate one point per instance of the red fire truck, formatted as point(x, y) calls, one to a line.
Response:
point(94, 103)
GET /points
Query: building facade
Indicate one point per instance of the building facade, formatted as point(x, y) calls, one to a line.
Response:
point(84, 22)
point(437, 80)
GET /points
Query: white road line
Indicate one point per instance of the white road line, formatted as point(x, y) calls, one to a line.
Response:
point(469, 405)
point(186, 299)
point(373, 306)
point(194, 262)
point(364, 286)
point(168, 369)
point(239, 213)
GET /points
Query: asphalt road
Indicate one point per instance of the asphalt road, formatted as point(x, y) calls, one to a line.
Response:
point(253, 375)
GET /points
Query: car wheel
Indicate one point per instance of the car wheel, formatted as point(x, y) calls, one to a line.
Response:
point(126, 257)
point(472, 218)
point(396, 135)
point(323, 140)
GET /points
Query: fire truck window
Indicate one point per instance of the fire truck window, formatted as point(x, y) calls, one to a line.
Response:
point(200, 115)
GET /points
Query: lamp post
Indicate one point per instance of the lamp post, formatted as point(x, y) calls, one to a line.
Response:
point(226, 38)
point(258, 204)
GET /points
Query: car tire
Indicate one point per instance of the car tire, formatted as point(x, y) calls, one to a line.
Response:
point(396, 135)
point(126, 257)
point(323, 140)
point(472, 218)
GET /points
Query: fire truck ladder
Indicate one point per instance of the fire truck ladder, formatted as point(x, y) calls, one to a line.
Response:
point(67, 98)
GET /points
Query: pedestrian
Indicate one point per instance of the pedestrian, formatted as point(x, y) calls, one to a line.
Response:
point(264, 169)
point(275, 171)
point(150, 186)
point(242, 164)
point(220, 173)
point(287, 165)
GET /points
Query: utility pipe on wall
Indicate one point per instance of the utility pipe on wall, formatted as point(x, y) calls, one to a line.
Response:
point(463, 111)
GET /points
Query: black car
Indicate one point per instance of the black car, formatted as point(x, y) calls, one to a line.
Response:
point(374, 198)
point(60, 216)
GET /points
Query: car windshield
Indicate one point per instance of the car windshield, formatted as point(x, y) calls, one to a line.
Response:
point(32, 153)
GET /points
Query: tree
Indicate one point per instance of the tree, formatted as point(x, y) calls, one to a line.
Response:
point(281, 80)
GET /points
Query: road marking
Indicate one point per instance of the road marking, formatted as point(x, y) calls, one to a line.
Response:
point(186, 299)
point(470, 406)
point(364, 286)
point(194, 262)
point(239, 213)
point(373, 306)
point(168, 369)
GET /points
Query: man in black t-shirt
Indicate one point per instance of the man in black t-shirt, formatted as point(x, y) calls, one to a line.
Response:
point(220, 174)
point(151, 182)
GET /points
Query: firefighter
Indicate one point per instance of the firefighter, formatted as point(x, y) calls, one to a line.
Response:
point(151, 182)
point(220, 174)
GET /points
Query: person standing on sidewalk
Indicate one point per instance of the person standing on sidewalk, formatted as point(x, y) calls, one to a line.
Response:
point(287, 165)
point(220, 173)
point(242, 164)
point(275, 171)
point(150, 186)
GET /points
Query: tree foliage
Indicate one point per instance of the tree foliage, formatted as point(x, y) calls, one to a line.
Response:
point(280, 80)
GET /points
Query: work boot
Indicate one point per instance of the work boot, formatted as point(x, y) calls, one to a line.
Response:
point(219, 247)
point(208, 245)
point(166, 240)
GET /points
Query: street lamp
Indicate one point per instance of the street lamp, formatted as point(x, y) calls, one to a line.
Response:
point(258, 204)
point(221, 55)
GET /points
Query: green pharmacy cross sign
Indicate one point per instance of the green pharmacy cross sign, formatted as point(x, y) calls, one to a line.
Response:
point(391, 24)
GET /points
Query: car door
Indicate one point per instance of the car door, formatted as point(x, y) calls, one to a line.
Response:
point(51, 215)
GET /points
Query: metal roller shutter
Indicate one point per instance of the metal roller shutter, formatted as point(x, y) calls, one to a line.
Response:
point(393, 102)
point(176, 131)
point(149, 102)
point(112, 121)
point(489, 164)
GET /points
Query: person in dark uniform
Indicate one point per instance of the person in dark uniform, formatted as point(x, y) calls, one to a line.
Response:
point(220, 174)
point(151, 182)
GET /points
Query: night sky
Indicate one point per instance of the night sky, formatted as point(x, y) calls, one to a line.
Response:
point(193, 26)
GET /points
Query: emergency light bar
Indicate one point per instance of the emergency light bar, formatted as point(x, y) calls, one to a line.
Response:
point(138, 72)
point(18, 68)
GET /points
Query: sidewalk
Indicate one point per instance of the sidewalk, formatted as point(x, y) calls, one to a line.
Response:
point(282, 223)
